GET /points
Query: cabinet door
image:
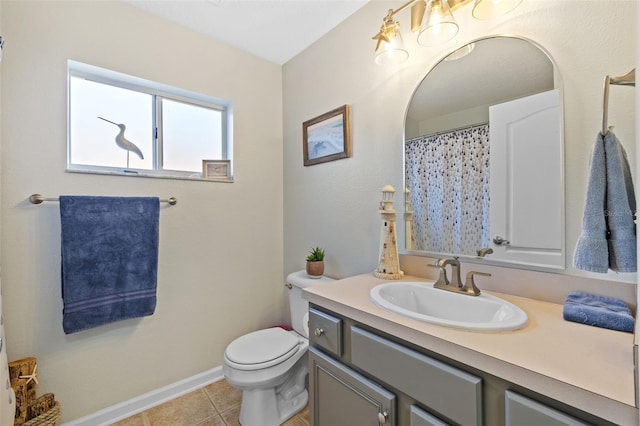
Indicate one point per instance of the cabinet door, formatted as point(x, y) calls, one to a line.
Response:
point(342, 397)
point(521, 411)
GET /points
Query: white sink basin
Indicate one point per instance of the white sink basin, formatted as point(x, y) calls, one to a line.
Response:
point(420, 301)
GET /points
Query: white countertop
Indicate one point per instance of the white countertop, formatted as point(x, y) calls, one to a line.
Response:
point(586, 367)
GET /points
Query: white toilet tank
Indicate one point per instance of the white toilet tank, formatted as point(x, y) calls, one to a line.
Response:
point(298, 306)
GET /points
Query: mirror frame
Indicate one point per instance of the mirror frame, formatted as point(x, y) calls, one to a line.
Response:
point(559, 84)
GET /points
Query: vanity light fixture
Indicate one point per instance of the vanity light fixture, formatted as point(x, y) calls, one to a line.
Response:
point(489, 9)
point(434, 22)
point(438, 25)
point(390, 48)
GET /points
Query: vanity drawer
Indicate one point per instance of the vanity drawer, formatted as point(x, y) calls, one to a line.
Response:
point(522, 411)
point(325, 331)
point(453, 393)
point(419, 417)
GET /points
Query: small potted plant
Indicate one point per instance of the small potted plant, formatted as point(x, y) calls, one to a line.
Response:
point(315, 262)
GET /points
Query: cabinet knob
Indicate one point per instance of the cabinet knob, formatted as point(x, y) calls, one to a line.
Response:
point(382, 418)
point(318, 332)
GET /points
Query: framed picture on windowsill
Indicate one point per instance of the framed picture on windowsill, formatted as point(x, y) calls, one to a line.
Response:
point(216, 169)
point(327, 137)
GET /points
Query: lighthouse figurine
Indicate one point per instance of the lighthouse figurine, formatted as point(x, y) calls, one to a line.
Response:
point(388, 263)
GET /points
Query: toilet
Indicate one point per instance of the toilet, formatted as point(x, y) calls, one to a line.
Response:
point(270, 365)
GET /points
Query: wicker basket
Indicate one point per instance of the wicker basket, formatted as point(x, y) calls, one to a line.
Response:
point(48, 418)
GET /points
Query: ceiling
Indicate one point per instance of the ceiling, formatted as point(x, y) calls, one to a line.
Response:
point(275, 30)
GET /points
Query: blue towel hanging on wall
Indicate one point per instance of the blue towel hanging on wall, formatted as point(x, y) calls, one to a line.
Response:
point(109, 259)
point(608, 238)
point(621, 207)
point(592, 251)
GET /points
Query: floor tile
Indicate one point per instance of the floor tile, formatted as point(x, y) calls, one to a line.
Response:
point(217, 404)
point(137, 420)
point(223, 395)
point(295, 421)
point(214, 421)
point(232, 416)
point(304, 414)
point(188, 410)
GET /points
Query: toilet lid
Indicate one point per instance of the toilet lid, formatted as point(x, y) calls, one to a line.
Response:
point(262, 348)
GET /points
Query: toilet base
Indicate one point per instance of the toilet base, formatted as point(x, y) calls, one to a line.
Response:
point(261, 407)
point(273, 406)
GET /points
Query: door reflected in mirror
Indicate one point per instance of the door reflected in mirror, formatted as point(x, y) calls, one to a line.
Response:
point(484, 156)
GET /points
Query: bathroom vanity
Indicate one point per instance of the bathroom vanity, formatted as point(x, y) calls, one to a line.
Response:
point(369, 366)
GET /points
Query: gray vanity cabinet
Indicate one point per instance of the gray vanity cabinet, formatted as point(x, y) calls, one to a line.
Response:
point(360, 376)
point(342, 397)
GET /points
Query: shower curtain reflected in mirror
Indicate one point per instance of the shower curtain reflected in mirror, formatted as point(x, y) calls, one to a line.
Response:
point(448, 180)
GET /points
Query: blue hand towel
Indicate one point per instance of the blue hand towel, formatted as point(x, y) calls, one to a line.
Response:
point(621, 207)
point(608, 238)
point(109, 259)
point(599, 311)
point(592, 252)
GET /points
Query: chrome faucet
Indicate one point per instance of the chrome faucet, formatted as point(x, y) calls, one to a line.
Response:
point(455, 285)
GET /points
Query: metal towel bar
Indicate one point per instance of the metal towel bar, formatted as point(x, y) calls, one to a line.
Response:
point(38, 199)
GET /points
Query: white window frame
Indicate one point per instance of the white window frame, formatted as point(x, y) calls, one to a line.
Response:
point(158, 91)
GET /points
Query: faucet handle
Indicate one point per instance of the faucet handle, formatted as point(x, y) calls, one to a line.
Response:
point(442, 278)
point(470, 285)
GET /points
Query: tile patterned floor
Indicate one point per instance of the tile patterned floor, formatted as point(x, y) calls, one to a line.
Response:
point(217, 404)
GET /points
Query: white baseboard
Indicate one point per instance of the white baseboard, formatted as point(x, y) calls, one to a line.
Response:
point(148, 400)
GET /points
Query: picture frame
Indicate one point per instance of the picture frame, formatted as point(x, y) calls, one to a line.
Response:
point(327, 137)
point(216, 169)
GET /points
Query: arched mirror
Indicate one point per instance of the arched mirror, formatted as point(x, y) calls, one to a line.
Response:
point(484, 156)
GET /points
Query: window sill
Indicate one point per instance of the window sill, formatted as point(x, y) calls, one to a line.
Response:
point(193, 177)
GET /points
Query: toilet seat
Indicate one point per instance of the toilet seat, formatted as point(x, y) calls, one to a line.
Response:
point(261, 349)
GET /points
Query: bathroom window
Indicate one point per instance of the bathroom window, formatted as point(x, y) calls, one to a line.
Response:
point(125, 125)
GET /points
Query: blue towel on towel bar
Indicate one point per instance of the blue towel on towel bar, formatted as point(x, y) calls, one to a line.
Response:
point(599, 311)
point(621, 207)
point(608, 238)
point(109, 259)
point(592, 251)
